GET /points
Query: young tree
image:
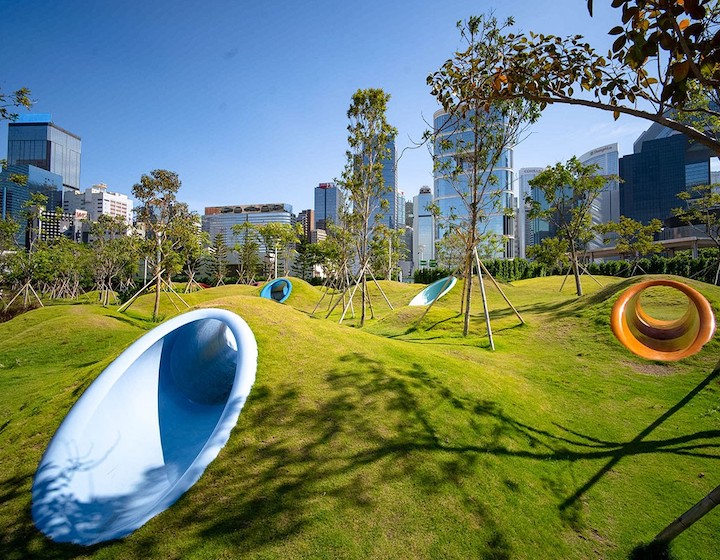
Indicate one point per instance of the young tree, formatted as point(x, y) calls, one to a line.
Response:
point(475, 139)
point(217, 259)
point(569, 191)
point(278, 239)
point(387, 248)
point(702, 212)
point(248, 251)
point(309, 255)
point(551, 253)
point(633, 240)
point(187, 241)
point(114, 254)
point(157, 194)
point(362, 182)
point(664, 66)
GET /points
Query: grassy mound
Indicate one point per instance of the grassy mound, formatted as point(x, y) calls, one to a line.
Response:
point(415, 444)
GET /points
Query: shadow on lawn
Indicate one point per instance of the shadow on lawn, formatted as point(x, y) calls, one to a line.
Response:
point(311, 452)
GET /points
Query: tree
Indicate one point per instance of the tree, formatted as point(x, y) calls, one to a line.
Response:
point(632, 239)
point(665, 56)
point(362, 180)
point(247, 249)
point(551, 253)
point(114, 254)
point(278, 238)
point(157, 194)
point(475, 139)
point(217, 259)
point(569, 191)
point(387, 248)
point(309, 255)
point(187, 241)
point(10, 101)
point(702, 212)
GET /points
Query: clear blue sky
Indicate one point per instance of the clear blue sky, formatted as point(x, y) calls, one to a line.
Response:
point(247, 101)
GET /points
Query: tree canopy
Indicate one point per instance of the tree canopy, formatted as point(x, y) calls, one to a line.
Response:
point(664, 66)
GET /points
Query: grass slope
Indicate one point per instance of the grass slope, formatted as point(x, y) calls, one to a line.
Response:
point(403, 439)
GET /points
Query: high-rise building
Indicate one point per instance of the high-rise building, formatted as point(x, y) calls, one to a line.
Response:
point(400, 210)
point(35, 140)
point(17, 184)
point(306, 218)
point(389, 215)
point(500, 199)
point(606, 207)
point(221, 219)
point(530, 232)
point(408, 213)
point(328, 201)
point(664, 163)
point(423, 243)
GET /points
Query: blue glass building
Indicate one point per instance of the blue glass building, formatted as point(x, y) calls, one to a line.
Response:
point(35, 140)
point(13, 196)
point(328, 201)
point(389, 216)
point(664, 163)
point(454, 135)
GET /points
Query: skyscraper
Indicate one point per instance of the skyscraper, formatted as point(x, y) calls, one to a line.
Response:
point(13, 195)
point(35, 140)
point(328, 201)
point(606, 207)
point(389, 216)
point(664, 163)
point(453, 137)
point(423, 229)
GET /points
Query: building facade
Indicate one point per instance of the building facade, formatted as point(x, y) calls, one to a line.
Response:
point(606, 207)
point(664, 163)
point(306, 218)
point(221, 219)
point(423, 243)
point(500, 201)
point(98, 201)
point(17, 183)
point(530, 232)
point(35, 140)
point(328, 201)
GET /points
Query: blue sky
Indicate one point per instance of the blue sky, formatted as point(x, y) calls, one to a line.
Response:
point(247, 101)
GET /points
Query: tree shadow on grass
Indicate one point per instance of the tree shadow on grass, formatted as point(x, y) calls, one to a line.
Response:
point(313, 458)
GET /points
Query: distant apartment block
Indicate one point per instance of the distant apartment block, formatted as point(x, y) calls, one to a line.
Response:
point(98, 201)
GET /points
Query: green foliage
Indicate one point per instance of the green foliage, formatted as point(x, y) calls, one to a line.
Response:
point(157, 194)
point(114, 255)
point(632, 238)
point(11, 101)
point(248, 250)
point(664, 66)
point(362, 180)
point(569, 191)
point(279, 240)
point(387, 249)
point(217, 259)
point(473, 141)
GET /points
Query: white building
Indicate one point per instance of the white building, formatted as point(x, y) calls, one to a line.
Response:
point(606, 207)
point(423, 242)
point(98, 201)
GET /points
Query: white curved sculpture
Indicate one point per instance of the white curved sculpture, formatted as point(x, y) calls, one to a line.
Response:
point(434, 291)
point(146, 429)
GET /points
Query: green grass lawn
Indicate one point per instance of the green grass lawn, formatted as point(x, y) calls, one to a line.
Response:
point(402, 439)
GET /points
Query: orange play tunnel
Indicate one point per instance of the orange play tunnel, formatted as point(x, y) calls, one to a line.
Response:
point(656, 339)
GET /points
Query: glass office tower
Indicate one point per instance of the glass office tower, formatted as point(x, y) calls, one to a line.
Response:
point(328, 201)
point(454, 135)
point(664, 164)
point(35, 140)
point(13, 196)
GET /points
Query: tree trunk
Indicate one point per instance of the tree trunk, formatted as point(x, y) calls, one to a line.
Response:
point(576, 269)
point(468, 294)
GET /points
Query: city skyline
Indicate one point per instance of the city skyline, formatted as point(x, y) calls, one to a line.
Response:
point(250, 104)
